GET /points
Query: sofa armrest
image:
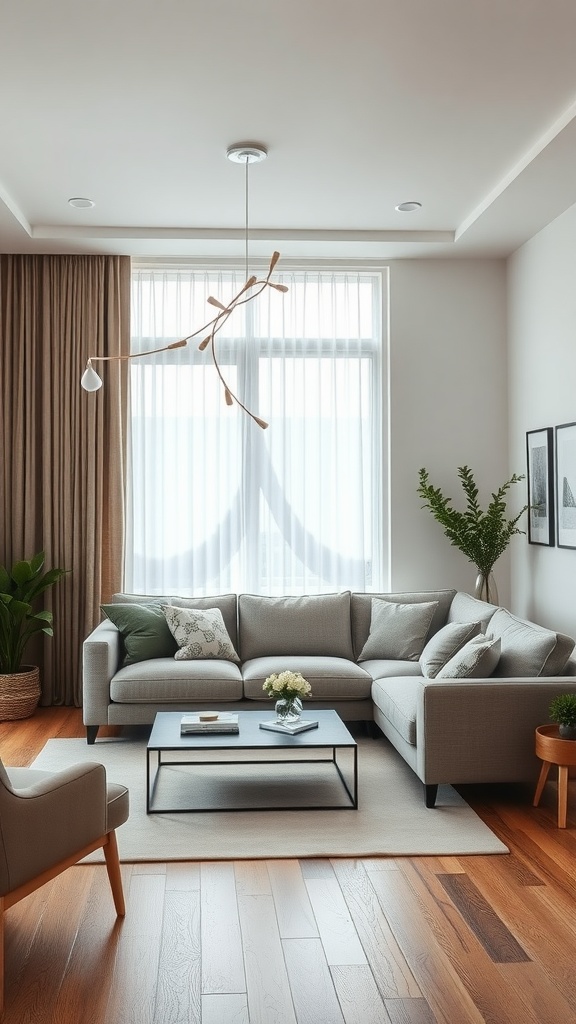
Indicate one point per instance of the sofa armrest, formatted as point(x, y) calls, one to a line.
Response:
point(482, 730)
point(100, 660)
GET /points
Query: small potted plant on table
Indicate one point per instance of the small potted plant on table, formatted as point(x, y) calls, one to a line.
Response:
point(562, 710)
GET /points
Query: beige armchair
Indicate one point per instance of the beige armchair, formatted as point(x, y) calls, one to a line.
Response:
point(48, 822)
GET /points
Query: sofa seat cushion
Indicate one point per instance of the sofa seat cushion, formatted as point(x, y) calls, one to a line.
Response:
point(396, 699)
point(330, 678)
point(528, 649)
point(165, 680)
point(379, 668)
point(317, 625)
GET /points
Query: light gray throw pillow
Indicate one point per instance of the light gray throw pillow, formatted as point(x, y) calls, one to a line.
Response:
point(444, 645)
point(398, 632)
point(476, 660)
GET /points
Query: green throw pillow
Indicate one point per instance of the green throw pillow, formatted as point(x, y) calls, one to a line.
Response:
point(144, 631)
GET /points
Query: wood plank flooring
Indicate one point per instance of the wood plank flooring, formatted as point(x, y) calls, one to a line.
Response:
point(422, 940)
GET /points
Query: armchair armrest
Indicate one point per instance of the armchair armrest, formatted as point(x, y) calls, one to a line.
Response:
point(482, 730)
point(47, 817)
point(100, 660)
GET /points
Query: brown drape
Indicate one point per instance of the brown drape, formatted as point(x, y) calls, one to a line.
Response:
point(63, 449)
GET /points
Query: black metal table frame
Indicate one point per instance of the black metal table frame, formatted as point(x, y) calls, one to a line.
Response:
point(352, 795)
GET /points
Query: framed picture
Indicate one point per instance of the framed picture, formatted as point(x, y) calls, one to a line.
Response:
point(540, 476)
point(566, 485)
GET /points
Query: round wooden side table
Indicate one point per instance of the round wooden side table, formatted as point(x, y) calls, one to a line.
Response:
point(553, 750)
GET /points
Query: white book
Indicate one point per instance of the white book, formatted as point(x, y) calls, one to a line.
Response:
point(291, 730)
point(193, 723)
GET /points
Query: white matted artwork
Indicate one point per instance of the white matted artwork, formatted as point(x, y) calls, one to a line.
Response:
point(540, 477)
point(566, 485)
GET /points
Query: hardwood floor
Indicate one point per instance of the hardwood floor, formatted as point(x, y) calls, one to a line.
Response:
point(451, 940)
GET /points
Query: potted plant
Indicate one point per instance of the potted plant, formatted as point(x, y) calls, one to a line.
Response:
point(20, 587)
point(563, 711)
point(480, 535)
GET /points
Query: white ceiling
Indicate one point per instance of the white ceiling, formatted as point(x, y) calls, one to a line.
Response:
point(468, 106)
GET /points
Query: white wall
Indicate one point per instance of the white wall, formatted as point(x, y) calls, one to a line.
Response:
point(542, 363)
point(448, 408)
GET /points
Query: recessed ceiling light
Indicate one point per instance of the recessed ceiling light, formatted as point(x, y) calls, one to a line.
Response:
point(81, 204)
point(408, 207)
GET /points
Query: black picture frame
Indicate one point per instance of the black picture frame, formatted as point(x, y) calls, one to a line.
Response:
point(566, 485)
point(540, 478)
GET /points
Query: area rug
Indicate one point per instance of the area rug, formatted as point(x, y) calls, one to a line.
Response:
point(391, 819)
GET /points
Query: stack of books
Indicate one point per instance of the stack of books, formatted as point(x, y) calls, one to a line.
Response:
point(209, 722)
point(290, 729)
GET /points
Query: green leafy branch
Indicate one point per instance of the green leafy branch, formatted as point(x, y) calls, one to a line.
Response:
point(481, 536)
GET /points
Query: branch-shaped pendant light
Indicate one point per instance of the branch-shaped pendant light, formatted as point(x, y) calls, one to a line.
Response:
point(246, 153)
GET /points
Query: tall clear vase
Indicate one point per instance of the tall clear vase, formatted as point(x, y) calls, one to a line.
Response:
point(485, 589)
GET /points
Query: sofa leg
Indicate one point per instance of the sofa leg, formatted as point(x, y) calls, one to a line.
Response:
point(431, 793)
point(91, 733)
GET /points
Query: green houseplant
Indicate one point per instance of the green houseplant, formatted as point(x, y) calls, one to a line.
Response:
point(20, 588)
point(480, 535)
point(562, 710)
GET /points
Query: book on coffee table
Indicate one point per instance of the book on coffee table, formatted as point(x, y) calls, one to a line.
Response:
point(301, 726)
point(222, 722)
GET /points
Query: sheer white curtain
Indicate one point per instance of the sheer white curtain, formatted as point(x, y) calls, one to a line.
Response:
point(215, 503)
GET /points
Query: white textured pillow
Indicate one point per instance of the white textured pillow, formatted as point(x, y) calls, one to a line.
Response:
point(199, 633)
point(397, 631)
point(476, 660)
point(444, 645)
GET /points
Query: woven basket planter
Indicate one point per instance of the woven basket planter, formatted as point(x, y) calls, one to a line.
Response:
point(19, 693)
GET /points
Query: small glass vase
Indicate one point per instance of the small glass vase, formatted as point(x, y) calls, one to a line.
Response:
point(288, 710)
point(485, 589)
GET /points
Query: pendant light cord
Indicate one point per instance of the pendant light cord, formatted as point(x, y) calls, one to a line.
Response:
point(247, 161)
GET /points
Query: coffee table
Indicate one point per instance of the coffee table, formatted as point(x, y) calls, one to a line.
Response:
point(331, 735)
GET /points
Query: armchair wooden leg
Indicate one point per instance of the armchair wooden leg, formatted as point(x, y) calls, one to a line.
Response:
point(1, 956)
point(114, 873)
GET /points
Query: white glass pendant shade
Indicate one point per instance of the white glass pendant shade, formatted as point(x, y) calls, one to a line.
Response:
point(90, 380)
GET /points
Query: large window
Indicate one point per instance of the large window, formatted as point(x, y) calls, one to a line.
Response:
point(216, 504)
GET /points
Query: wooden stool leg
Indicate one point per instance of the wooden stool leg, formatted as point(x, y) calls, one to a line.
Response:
point(541, 782)
point(562, 795)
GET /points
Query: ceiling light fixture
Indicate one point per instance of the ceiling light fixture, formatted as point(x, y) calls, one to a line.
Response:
point(244, 153)
point(409, 207)
point(81, 204)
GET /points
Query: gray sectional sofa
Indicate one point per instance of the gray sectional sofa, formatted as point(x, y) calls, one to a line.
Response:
point(456, 685)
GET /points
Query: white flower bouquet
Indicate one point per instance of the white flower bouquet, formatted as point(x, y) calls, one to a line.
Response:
point(287, 685)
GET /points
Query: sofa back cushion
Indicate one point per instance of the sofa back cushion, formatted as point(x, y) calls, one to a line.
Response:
point(227, 603)
point(316, 624)
point(528, 649)
point(361, 612)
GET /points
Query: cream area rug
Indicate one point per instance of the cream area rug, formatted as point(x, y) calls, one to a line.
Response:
point(391, 819)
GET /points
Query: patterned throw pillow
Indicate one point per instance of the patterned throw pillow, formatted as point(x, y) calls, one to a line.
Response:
point(199, 633)
point(476, 660)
